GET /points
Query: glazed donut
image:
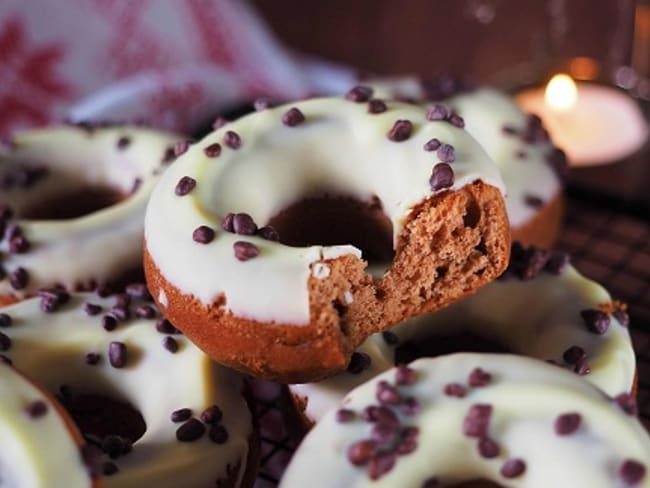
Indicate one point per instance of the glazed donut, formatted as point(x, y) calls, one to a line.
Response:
point(294, 310)
point(160, 411)
point(497, 418)
point(72, 202)
point(541, 308)
point(533, 170)
point(27, 416)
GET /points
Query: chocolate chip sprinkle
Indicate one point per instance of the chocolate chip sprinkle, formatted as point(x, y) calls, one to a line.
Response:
point(36, 409)
point(5, 342)
point(170, 344)
point(138, 290)
point(632, 472)
point(122, 300)
point(477, 420)
point(218, 434)
point(627, 403)
point(455, 390)
point(567, 424)
point(262, 104)
point(109, 323)
point(456, 120)
point(227, 222)
point(582, 367)
point(622, 317)
point(487, 448)
point(574, 354)
point(123, 142)
point(376, 106)
point(190, 431)
point(446, 153)
point(19, 279)
point(533, 201)
point(5, 320)
point(211, 415)
point(219, 122)
point(359, 362)
point(245, 250)
point(92, 358)
point(359, 94)
point(293, 117)
point(360, 452)
point(203, 234)
point(213, 150)
point(181, 148)
point(390, 338)
point(513, 468)
point(442, 177)
point(405, 375)
point(19, 245)
point(145, 312)
point(345, 415)
point(557, 262)
point(437, 112)
point(381, 463)
point(181, 415)
point(478, 378)
point(269, 233)
point(387, 394)
point(432, 145)
point(92, 309)
point(232, 140)
point(185, 185)
point(596, 321)
point(400, 131)
point(117, 354)
point(432, 482)
point(243, 224)
point(164, 326)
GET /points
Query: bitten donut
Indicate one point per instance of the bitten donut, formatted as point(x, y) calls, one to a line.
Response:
point(318, 175)
point(72, 203)
point(28, 415)
point(159, 410)
point(533, 169)
point(542, 308)
point(504, 419)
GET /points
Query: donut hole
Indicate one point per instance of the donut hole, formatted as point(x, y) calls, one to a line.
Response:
point(331, 221)
point(99, 416)
point(72, 204)
point(440, 345)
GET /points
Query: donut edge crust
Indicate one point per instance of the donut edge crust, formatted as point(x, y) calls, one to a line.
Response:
point(452, 244)
point(543, 229)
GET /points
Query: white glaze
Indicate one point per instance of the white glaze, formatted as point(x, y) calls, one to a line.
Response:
point(340, 149)
point(527, 396)
point(51, 349)
point(539, 318)
point(94, 247)
point(23, 436)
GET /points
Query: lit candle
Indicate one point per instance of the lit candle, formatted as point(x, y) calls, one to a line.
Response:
point(593, 124)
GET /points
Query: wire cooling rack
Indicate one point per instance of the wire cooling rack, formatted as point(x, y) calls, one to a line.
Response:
point(609, 242)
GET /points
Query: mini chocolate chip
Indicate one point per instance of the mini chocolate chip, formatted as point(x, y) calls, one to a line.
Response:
point(213, 150)
point(293, 117)
point(218, 434)
point(116, 446)
point(36, 409)
point(530, 262)
point(455, 390)
point(410, 406)
point(19, 279)
point(232, 140)
point(574, 354)
point(513, 468)
point(145, 312)
point(442, 176)
point(227, 223)
point(245, 250)
point(379, 414)
point(181, 415)
point(487, 448)
point(19, 245)
point(5, 320)
point(405, 375)
point(567, 424)
point(109, 323)
point(211, 415)
point(219, 122)
point(409, 441)
point(437, 112)
point(243, 224)
point(446, 153)
point(387, 393)
point(596, 321)
point(117, 354)
point(184, 186)
point(164, 326)
point(627, 403)
point(400, 131)
point(92, 309)
point(360, 452)
point(138, 290)
point(181, 148)
point(170, 344)
point(109, 468)
point(432, 145)
point(622, 317)
point(557, 262)
point(380, 464)
point(262, 104)
point(390, 338)
point(477, 420)
point(123, 142)
point(122, 300)
point(190, 431)
point(120, 313)
point(478, 378)
point(359, 94)
point(344, 415)
point(533, 201)
point(376, 106)
point(203, 234)
point(359, 362)
point(456, 120)
point(632, 472)
point(509, 130)
point(5, 342)
point(269, 233)
point(92, 358)
point(432, 482)
point(582, 367)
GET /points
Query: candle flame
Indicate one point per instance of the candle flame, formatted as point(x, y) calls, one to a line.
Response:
point(561, 92)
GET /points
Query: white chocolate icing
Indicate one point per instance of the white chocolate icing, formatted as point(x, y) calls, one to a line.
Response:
point(52, 348)
point(526, 396)
point(485, 112)
point(22, 436)
point(94, 247)
point(340, 148)
point(539, 318)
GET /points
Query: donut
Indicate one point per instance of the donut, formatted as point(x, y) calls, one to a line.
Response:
point(331, 178)
point(464, 418)
point(533, 169)
point(28, 415)
point(159, 412)
point(72, 203)
point(541, 308)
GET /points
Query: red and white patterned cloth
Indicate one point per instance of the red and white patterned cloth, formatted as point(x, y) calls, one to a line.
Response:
point(166, 63)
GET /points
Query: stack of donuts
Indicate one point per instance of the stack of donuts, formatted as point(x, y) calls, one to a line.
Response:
point(357, 248)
